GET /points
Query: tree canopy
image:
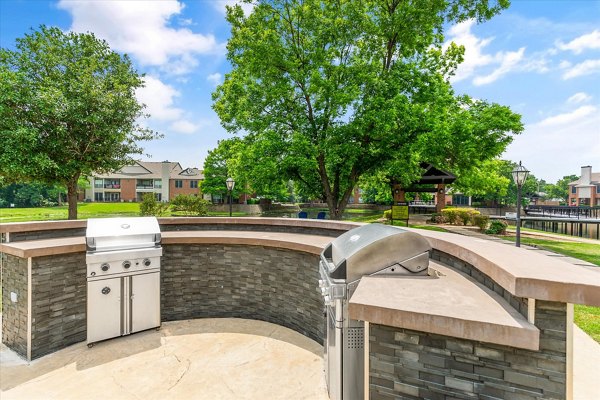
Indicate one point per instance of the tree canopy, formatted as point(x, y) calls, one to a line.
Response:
point(339, 89)
point(67, 108)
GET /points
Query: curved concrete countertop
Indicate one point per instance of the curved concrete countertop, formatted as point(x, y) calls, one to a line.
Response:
point(447, 303)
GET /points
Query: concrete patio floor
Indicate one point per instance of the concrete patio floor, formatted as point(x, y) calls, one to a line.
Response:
point(192, 359)
point(206, 359)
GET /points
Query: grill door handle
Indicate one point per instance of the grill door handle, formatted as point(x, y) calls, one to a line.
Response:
point(105, 290)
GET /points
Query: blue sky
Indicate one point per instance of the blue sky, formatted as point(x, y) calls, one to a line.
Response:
point(540, 57)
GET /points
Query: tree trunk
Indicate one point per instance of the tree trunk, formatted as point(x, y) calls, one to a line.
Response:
point(72, 196)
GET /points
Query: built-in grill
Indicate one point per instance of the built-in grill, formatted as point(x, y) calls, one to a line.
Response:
point(123, 276)
point(372, 249)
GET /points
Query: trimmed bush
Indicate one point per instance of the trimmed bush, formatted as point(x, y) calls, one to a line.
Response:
point(189, 205)
point(151, 207)
point(437, 218)
point(497, 227)
point(387, 214)
point(481, 221)
point(458, 216)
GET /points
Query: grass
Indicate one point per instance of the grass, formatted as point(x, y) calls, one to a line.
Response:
point(588, 319)
point(589, 252)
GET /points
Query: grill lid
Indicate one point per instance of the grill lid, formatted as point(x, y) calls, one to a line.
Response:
point(104, 234)
point(372, 248)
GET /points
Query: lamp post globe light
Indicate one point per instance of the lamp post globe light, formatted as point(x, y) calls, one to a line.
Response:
point(519, 175)
point(230, 185)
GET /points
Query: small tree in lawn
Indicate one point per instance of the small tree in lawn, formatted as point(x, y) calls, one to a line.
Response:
point(67, 108)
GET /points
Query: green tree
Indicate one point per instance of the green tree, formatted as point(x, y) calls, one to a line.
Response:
point(67, 108)
point(342, 89)
point(560, 190)
point(221, 163)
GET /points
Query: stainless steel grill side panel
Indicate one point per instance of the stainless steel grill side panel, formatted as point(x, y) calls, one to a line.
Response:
point(368, 250)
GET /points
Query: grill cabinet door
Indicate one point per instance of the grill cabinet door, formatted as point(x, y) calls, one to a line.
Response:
point(104, 319)
point(145, 301)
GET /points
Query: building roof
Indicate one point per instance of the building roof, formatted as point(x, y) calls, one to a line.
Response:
point(153, 170)
point(594, 181)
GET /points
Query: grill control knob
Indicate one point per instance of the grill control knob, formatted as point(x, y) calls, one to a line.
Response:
point(323, 291)
point(328, 301)
point(126, 264)
point(147, 262)
point(322, 283)
point(104, 267)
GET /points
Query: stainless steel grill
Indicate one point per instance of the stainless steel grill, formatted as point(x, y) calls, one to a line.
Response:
point(372, 249)
point(123, 276)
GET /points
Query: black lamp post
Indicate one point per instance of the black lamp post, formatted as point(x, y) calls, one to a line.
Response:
point(230, 184)
point(519, 175)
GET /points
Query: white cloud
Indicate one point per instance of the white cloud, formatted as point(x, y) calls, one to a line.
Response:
point(567, 118)
point(588, 41)
point(587, 67)
point(141, 29)
point(508, 61)
point(564, 64)
point(502, 62)
point(184, 126)
point(222, 4)
point(474, 57)
point(572, 138)
point(580, 97)
point(215, 78)
point(159, 99)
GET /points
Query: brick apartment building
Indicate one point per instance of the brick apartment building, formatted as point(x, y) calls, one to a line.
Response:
point(585, 191)
point(165, 179)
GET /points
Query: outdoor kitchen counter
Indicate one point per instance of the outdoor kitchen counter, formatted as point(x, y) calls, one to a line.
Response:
point(524, 273)
point(312, 244)
point(446, 303)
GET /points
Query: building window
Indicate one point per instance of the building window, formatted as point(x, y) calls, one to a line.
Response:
point(178, 184)
point(112, 184)
point(158, 183)
point(194, 184)
point(573, 189)
point(144, 184)
point(98, 183)
point(158, 196)
point(98, 196)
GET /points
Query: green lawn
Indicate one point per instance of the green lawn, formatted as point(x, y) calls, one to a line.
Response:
point(588, 319)
point(589, 252)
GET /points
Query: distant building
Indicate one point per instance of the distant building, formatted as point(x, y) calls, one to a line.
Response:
point(585, 191)
point(165, 179)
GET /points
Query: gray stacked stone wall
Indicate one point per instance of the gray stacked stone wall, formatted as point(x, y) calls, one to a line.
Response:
point(49, 234)
point(406, 364)
point(58, 302)
point(14, 315)
point(518, 303)
point(274, 285)
point(258, 228)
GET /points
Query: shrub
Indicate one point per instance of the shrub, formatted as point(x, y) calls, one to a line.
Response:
point(459, 215)
point(387, 214)
point(450, 215)
point(481, 221)
point(497, 227)
point(252, 201)
point(437, 218)
point(189, 205)
point(151, 207)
